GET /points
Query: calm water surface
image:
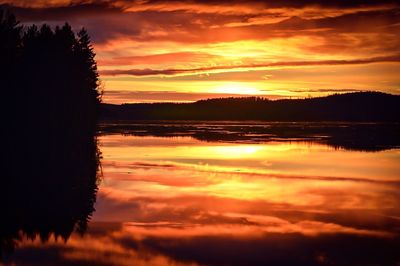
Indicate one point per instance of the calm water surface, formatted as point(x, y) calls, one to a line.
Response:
point(182, 201)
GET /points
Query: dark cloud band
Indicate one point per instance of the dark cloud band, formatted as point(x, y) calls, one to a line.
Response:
point(172, 71)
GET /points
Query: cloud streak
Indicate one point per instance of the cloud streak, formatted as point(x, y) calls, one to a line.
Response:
point(201, 70)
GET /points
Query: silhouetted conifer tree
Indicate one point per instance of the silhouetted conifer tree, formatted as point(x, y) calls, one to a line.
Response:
point(10, 40)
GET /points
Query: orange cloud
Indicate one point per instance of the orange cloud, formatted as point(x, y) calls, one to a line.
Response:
point(168, 72)
point(154, 59)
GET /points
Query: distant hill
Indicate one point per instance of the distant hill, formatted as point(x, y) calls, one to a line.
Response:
point(358, 106)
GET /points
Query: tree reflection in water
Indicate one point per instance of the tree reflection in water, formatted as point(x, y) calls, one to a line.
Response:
point(48, 188)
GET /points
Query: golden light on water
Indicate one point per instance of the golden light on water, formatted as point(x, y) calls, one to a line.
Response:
point(299, 174)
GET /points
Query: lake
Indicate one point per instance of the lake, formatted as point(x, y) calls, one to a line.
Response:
point(235, 194)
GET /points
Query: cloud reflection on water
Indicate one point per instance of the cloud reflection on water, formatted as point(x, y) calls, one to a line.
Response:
point(180, 201)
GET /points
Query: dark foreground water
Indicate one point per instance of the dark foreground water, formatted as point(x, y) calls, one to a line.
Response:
point(235, 194)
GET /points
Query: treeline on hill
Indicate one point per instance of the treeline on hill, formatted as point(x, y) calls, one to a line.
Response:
point(358, 106)
point(50, 102)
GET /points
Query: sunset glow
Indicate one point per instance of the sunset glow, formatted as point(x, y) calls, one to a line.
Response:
point(200, 133)
point(157, 51)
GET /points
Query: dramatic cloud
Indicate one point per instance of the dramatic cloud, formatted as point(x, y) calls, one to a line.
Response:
point(167, 72)
point(154, 59)
point(177, 5)
point(171, 21)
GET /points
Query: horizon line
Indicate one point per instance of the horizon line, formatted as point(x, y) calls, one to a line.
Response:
point(261, 97)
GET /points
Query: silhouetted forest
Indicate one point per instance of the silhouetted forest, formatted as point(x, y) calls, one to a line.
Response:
point(359, 106)
point(49, 75)
point(50, 104)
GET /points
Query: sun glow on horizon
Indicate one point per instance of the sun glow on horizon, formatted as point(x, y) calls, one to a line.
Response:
point(185, 51)
point(237, 88)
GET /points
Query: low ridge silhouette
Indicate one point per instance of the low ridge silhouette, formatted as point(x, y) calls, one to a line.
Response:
point(358, 106)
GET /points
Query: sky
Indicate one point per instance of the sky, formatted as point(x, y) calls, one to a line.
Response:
point(182, 51)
